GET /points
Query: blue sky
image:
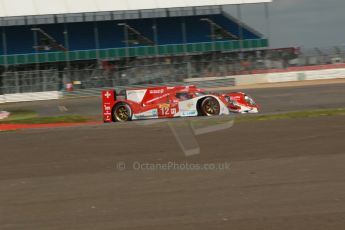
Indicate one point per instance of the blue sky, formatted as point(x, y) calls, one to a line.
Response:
point(304, 23)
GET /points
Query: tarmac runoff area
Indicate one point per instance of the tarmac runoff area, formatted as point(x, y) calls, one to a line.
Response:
point(282, 174)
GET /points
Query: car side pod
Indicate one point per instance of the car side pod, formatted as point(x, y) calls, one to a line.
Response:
point(108, 100)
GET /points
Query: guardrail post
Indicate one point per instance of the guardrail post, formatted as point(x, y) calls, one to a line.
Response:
point(17, 82)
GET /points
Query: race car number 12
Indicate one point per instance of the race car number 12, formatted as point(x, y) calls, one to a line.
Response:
point(168, 111)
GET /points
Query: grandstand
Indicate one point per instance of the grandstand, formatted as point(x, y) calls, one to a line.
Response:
point(59, 35)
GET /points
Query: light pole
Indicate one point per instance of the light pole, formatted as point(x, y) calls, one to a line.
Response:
point(125, 31)
point(97, 43)
point(240, 29)
point(155, 35)
point(213, 38)
point(68, 64)
point(35, 30)
point(4, 46)
point(268, 22)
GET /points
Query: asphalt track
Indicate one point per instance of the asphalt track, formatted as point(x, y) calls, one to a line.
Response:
point(286, 174)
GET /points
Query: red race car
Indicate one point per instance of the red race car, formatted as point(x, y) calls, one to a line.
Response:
point(168, 102)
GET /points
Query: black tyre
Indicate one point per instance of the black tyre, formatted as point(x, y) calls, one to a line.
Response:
point(210, 107)
point(122, 112)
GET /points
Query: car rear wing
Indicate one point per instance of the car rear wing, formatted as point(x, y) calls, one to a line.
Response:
point(108, 100)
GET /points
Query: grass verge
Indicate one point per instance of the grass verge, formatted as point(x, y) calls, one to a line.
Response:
point(293, 115)
point(30, 117)
point(17, 115)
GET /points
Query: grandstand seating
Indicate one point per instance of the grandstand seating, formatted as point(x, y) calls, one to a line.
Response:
point(20, 39)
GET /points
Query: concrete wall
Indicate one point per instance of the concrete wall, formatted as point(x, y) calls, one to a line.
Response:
point(2, 99)
point(21, 97)
point(306, 75)
point(278, 77)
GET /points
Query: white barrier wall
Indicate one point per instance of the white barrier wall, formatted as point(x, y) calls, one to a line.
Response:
point(325, 74)
point(2, 99)
point(279, 77)
point(249, 80)
point(22, 97)
point(306, 75)
point(191, 80)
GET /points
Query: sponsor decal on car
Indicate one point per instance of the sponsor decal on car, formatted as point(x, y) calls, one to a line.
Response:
point(157, 91)
point(189, 113)
point(157, 98)
point(148, 114)
point(164, 106)
point(190, 105)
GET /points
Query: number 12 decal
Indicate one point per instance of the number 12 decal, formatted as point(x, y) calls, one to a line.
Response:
point(168, 111)
point(165, 110)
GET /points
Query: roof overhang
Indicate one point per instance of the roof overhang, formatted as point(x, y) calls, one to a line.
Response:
point(23, 12)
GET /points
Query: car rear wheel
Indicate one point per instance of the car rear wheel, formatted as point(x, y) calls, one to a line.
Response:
point(122, 112)
point(210, 107)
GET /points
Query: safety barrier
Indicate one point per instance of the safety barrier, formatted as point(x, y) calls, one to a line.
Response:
point(23, 97)
point(277, 77)
point(306, 75)
point(2, 99)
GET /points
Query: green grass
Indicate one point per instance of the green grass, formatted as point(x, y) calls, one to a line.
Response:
point(31, 117)
point(17, 115)
point(293, 115)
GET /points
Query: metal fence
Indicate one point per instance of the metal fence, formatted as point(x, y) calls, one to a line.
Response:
point(30, 81)
point(82, 79)
point(162, 70)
